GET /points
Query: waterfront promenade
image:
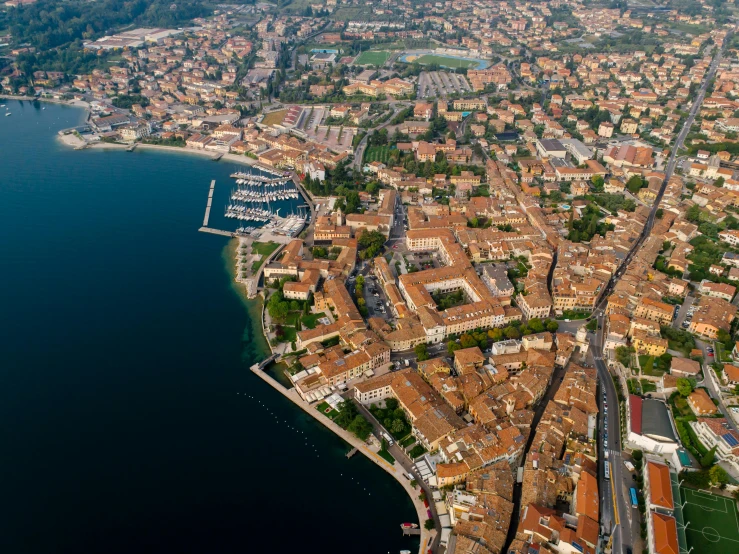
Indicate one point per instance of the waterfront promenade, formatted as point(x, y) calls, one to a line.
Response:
point(395, 470)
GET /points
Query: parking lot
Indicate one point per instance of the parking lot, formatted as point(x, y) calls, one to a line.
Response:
point(374, 296)
point(434, 84)
point(685, 314)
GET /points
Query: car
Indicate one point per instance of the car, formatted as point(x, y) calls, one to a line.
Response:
point(395, 246)
point(710, 354)
point(709, 349)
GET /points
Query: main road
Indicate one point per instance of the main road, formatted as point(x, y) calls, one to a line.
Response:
point(615, 510)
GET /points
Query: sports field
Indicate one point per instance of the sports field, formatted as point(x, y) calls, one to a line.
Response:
point(372, 57)
point(712, 524)
point(446, 61)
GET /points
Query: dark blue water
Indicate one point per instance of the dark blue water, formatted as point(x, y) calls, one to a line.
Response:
point(122, 348)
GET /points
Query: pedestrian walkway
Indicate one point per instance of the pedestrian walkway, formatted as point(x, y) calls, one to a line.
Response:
point(395, 470)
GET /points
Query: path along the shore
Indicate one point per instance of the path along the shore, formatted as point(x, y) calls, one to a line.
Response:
point(395, 470)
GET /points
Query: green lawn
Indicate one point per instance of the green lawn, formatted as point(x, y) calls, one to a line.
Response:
point(651, 366)
point(571, 314)
point(256, 264)
point(721, 355)
point(309, 321)
point(409, 440)
point(372, 57)
point(327, 410)
point(648, 386)
point(714, 523)
point(446, 61)
point(290, 334)
point(417, 451)
point(387, 456)
point(377, 154)
point(264, 248)
point(682, 408)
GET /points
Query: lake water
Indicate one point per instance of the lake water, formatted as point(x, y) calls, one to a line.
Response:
point(123, 346)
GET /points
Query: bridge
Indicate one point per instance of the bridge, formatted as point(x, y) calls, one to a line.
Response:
point(264, 363)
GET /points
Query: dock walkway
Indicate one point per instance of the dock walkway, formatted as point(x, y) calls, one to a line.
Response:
point(209, 203)
point(395, 470)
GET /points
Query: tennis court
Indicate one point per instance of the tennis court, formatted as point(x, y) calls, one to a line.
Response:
point(712, 524)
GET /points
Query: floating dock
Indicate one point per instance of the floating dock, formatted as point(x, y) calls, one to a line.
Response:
point(351, 453)
point(210, 203)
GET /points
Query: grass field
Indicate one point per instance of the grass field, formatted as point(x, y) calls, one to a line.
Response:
point(713, 522)
point(372, 57)
point(445, 61)
point(377, 154)
point(274, 118)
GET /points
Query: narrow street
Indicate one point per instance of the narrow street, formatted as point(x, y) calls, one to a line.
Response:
point(557, 377)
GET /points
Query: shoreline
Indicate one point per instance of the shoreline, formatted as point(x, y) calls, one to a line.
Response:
point(78, 143)
point(394, 470)
point(71, 140)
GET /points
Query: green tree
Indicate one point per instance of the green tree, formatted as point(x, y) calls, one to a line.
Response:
point(623, 355)
point(708, 458)
point(495, 334)
point(634, 184)
point(422, 352)
point(512, 333)
point(536, 325)
point(429, 524)
point(397, 426)
point(684, 387)
point(452, 346)
point(718, 475)
point(552, 326)
point(467, 341)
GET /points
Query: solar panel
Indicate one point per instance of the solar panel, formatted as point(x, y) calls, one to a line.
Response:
point(730, 440)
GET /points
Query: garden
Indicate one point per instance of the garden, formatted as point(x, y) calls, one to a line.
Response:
point(392, 418)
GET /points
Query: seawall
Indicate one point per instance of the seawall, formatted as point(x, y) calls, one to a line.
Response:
point(395, 470)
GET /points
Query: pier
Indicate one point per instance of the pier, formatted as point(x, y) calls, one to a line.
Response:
point(409, 532)
point(220, 232)
point(209, 204)
point(351, 453)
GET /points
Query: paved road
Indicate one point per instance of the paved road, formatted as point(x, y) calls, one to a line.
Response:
point(616, 520)
point(359, 151)
point(400, 457)
point(668, 174)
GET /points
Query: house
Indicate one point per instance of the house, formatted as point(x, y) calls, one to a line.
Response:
point(684, 367)
point(716, 432)
point(701, 403)
point(717, 290)
point(658, 486)
point(730, 375)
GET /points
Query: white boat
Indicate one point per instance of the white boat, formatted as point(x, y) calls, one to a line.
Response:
point(405, 552)
point(8, 114)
